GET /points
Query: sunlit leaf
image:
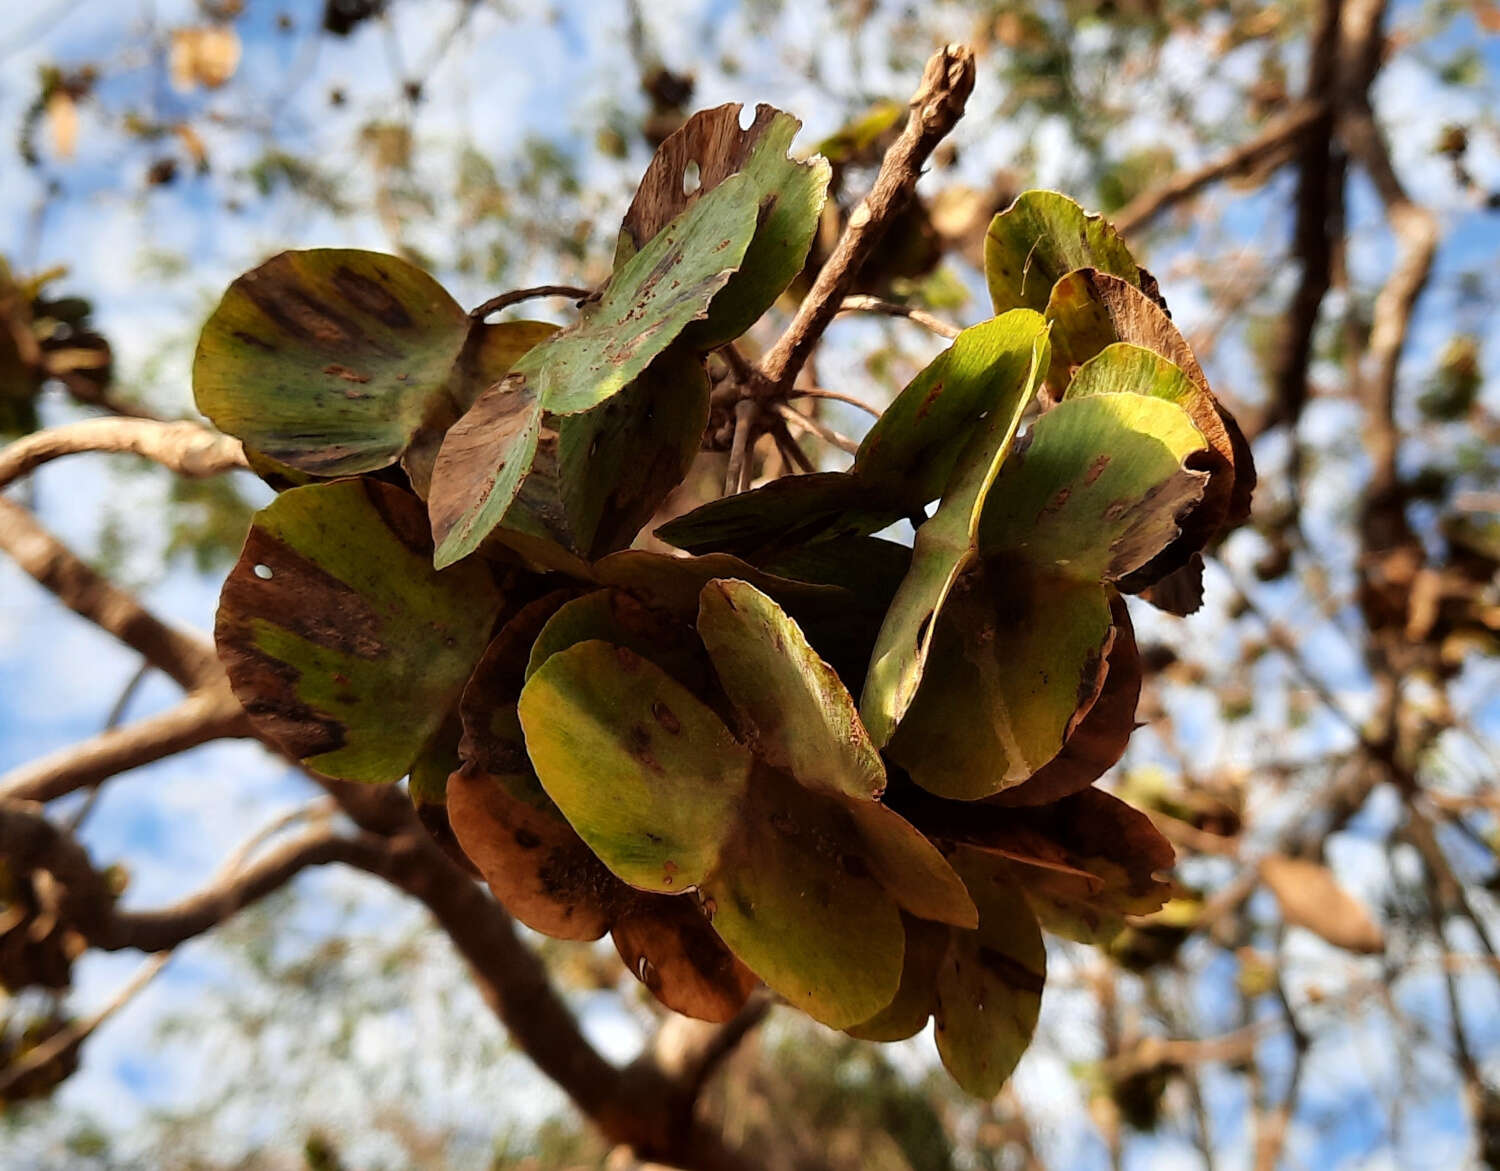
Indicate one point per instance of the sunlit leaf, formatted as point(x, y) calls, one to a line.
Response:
point(795, 709)
point(796, 900)
point(789, 194)
point(649, 301)
point(1092, 310)
point(902, 465)
point(947, 543)
point(1016, 660)
point(1040, 238)
point(1097, 489)
point(648, 776)
point(1099, 739)
point(926, 947)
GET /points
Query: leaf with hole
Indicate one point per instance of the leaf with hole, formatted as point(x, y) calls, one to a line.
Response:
point(709, 148)
point(344, 644)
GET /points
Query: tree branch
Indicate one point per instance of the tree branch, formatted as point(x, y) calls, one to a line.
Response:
point(183, 447)
point(185, 658)
point(811, 426)
point(836, 396)
point(937, 105)
point(168, 927)
point(211, 713)
point(864, 304)
point(1319, 203)
point(1276, 138)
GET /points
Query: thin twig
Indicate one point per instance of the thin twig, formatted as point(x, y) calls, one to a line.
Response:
point(812, 426)
point(836, 396)
point(790, 449)
point(112, 721)
point(516, 296)
point(212, 713)
point(185, 658)
point(745, 412)
point(185, 448)
point(320, 808)
point(64, 1041)
point(938, 104)
point(861, 303)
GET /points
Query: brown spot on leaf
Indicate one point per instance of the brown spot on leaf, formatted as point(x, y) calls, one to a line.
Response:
point(526, 839)
point(370, 297)
point(1011, 971)
point(345, 373)
point(928, 400)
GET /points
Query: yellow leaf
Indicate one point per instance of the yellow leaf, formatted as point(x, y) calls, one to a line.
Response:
point(1311, 897)
point(206, 56)
point(62, 123)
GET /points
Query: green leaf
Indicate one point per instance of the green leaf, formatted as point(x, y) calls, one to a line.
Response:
point(983, 986)
point(926, 948)
point(789, 195)
point(1097, 489)
point(1015, 660)
point(648, 776)
point(612, 466)
point(1098, 740)
point(487, 357)
point(796, 711)
point(648, 302)
point(328, 360)
point(1042, 237)
point(618, 618)
point(586, 482)
point(674, 584)
point(1126, 368)
point(902, 465)
point(786, 514)
point(944, 546)
point(910, 867)
point(342, 642)
point(800, 718)
point(795, 898)
point(1092, 310)
point(989, 988)
point(654, 783)
point(917, 442)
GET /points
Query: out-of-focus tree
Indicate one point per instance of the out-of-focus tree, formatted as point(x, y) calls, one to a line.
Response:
point(1314, 184)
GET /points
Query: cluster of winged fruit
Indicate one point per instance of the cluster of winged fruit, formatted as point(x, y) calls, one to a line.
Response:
point(668, 746)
